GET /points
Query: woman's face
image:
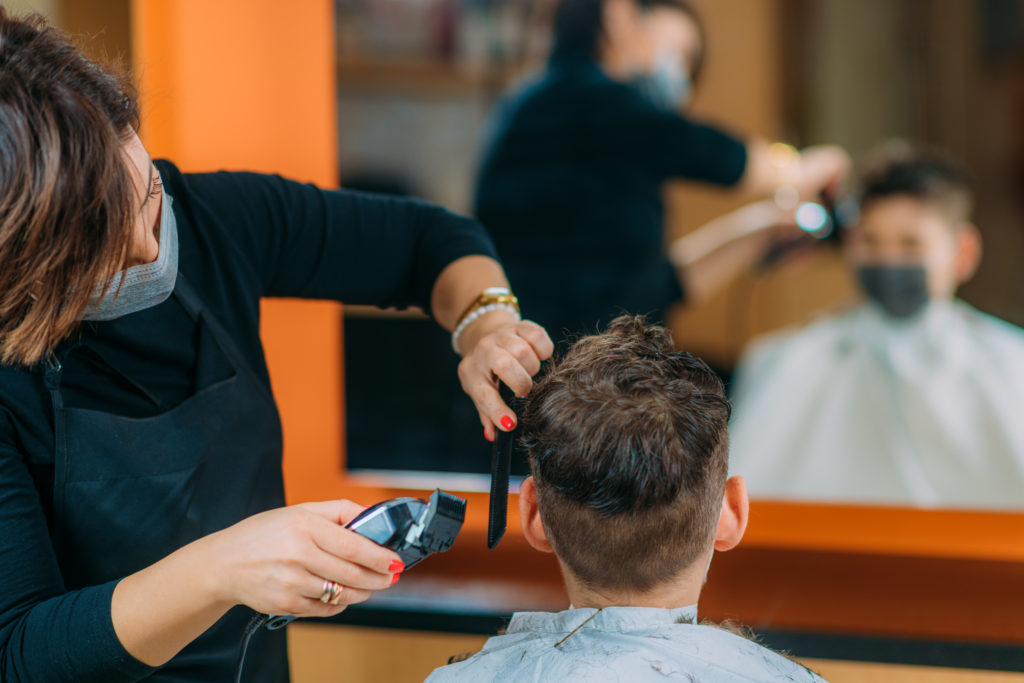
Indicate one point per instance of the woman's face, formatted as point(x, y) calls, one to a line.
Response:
point(634, 39)
point(668, 31)
point(145, 245)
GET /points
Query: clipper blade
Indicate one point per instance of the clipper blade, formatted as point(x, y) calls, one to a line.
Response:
point(441, 521)
point(449, 505)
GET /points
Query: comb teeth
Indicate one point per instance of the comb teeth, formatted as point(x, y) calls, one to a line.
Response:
point(450, 506)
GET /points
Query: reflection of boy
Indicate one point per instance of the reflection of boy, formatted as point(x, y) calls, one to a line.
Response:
point(628, 449)
point(912, 397)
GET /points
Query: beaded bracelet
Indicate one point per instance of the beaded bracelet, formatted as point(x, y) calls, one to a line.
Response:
point(477, 313)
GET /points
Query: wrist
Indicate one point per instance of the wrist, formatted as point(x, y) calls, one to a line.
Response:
point(491, 300)
point(204, 560)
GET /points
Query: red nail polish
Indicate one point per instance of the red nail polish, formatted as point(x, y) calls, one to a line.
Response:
point(488, 436)
point(396, 566)
point(394, 579)
point(507, 423)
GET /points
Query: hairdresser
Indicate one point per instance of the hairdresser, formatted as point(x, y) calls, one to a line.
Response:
point(142, 516)
point(571, 180)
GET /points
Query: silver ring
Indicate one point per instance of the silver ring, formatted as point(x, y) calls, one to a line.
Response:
point(330, 591)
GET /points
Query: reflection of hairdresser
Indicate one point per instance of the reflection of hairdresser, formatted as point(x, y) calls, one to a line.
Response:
point(911, 397)
point(571, 181)
point(142, 514)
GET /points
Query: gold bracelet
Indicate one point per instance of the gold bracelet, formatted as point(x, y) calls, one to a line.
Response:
point(491, 295)
point(491, 299)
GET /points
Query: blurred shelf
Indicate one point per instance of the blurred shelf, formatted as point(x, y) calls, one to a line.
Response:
point(424, 76)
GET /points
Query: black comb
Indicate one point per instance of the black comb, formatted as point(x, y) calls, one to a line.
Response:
point(501, 464)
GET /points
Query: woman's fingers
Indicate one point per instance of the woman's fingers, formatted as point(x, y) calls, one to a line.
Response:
point(489, 428)
point(351, 559)
point(823, 168)
point(338, 511)
point(311, 603)
point(523, 352)
point(313, 607)
point(508, 369)
point(277, 561)
point(537, 337)
point(478, 381)
point(512, 355)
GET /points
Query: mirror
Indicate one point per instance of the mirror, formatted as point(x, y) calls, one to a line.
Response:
point(417, 82)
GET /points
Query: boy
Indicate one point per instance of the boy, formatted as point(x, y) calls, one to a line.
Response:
point(628, 450)
point(912, 397)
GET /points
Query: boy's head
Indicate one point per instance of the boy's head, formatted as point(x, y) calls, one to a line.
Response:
point(628, 446)
point(914, 241)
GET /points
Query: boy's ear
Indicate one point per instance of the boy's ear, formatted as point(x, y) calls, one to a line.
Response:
point(968, 252)
point(529, 514)
point(735, 510)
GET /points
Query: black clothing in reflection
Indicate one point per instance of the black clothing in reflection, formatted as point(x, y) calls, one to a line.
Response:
point(570, 189)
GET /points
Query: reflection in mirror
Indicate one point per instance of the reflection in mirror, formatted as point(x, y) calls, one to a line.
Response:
point(844, 400)
point(911, 395)
point(416, 83)
point(905, 393)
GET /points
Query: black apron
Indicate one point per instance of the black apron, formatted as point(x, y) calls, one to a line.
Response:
point(129, 491)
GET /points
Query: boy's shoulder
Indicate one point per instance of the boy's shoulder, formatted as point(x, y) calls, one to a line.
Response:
point(990, 328)
point(700, 652)
point(814, 341)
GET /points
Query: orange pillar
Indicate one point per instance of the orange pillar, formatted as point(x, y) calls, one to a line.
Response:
point(249, 85)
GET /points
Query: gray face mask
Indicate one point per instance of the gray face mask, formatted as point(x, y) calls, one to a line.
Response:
point(668, 86)
point(145, 286)
point(901, 290)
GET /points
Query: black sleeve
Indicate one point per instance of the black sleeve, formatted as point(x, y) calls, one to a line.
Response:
point(669, 144)
point(336, 244)
point(697, 151)
point(46, 632)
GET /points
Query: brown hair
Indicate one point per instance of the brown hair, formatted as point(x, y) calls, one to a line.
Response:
point(628, 444)
point(927, 175)
point(67, 201)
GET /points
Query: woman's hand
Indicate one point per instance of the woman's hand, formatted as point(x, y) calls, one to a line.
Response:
point(811, 172)
point(497, 347)
point(822, 171)
point(276, 562)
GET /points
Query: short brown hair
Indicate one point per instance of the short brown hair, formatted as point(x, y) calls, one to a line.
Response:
point(67, 201)
point(927, 175)
point(628, 443)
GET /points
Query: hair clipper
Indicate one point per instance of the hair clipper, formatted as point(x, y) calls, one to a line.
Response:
point(412, 527)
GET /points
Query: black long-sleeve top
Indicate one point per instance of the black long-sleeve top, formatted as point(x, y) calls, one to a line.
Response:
point(570, 189)
point(242, 236)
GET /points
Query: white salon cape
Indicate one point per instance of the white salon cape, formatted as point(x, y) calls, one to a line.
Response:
point(861, 407)
point(621, 645)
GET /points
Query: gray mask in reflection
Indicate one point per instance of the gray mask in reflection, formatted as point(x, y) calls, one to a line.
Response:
point(668, 86)
point(145, 286)
point(901, 290)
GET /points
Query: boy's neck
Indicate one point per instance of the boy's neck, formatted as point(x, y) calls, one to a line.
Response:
point(680, 591)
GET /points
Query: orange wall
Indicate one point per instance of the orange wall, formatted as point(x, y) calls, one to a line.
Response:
point(249, 84)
